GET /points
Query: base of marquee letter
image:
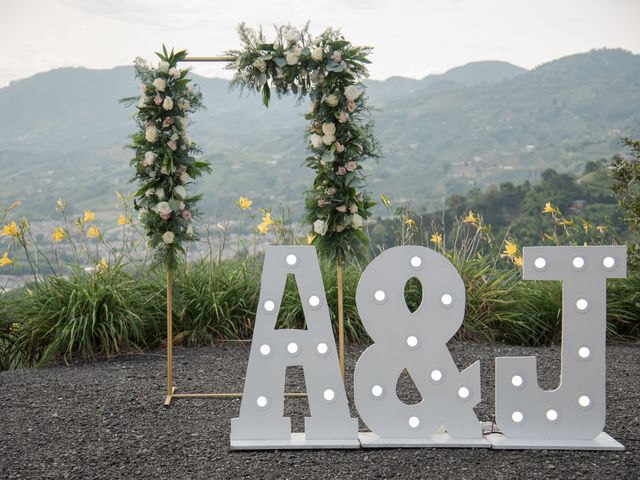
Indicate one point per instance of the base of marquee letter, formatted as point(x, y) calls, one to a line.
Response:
point(601, 442)
point(444, 440)
point(296, 442)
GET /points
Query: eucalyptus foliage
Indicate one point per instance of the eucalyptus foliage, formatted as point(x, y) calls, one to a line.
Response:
point(329, 70)
point(165, 157)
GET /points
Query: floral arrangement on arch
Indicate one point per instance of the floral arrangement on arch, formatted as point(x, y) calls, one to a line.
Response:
point(165, 155)
point(330, 70)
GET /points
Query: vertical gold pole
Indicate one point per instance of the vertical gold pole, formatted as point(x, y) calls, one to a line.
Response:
point(169, 336)
point(340, 318)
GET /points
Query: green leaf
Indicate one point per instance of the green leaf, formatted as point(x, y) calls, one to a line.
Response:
point(266, 95)
point(279, 61)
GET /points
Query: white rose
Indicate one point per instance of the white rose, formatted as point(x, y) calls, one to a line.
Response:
point(168, 237)
point(186, 138)
point(163, 170)
point(149, 192)
point(315, 41)
point(317, 54)
point(292, 58)
point(149, 159)
point(159, 193)
point(184, 105)
point(320, 227)
point(328, 128)
point(356, 220)
point(163, 67)
point(174, 72)
point(332, 100)
point(151, 134)
point(180, 191)
point(260, 64)
point(189, 230)
point(292, 35)
point(163, 207)
point(328, 139)
point(316, 140)
point(343, 117)
point(160, 84)
point(143, 101)
point(167, 104)
point(352, 92)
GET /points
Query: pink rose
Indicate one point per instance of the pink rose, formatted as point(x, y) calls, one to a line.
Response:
point(341, 171)
point(352, 166)
point(322, 203)
point(167, 122)
point(339, 147)
point(339, 228)
point(165, 216)
point(184, 177)
point(353, 208)
point(186, 214)
point(172, 145)
point(182, 168)
point(157, 99)
point(351, 105)
point(343, 117)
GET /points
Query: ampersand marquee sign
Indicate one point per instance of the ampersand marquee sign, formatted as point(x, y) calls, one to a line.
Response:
point(569, 417)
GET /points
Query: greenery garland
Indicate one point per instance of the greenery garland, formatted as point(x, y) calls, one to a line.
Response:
point(165, 163)
point(330, 70)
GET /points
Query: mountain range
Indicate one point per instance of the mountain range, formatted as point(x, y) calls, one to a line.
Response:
point(63, 133)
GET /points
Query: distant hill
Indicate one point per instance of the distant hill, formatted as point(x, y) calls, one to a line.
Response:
point(475, 125)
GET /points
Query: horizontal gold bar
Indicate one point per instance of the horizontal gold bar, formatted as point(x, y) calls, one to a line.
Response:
point(227, 395)
point(209, 59)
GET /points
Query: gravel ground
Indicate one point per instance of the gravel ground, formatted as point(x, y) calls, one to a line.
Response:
point(106, 420)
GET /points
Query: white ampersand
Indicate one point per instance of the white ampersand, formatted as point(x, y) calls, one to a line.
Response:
point(415, 341)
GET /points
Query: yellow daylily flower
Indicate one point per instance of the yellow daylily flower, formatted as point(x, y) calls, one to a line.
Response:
point(565, 222)
point(10, 230)
point(103, 265)
point(123, 220)
point(267, 219)
point(310, 239)
point(518, 261)
point(93, 232)
point(386, 201)
point(510, 249)
point(5, 260)
point(601, 229)
point(471, 218)
point(586, 226)
point(548, 208)
point(409, 221)
point(59, 234)
point(89, 216)
point(60, 205)
point(436, 238)
point(244, 203)
point(263, 228)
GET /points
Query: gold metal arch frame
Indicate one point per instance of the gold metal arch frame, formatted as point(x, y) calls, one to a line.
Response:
point(171, 389)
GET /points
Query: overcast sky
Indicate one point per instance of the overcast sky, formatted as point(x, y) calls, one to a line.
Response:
point(411, 38)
